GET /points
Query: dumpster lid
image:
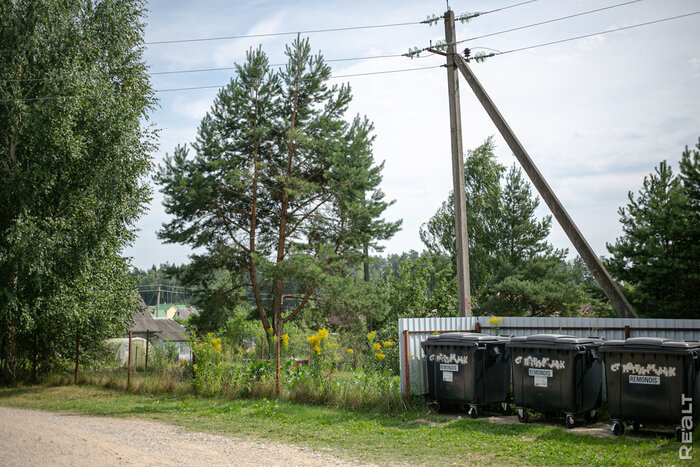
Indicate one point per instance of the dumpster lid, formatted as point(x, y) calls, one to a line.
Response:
point(463, 338)
point(548, 341)
point(650, 344)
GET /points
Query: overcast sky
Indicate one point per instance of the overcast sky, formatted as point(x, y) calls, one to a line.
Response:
point(596, 114)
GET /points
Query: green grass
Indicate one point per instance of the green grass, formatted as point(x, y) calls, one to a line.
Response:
point(413, 438)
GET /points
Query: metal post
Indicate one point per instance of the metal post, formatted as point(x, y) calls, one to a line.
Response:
point(627, 332)
point(612, 291)
point(460, 207)
point(148, 336)
point(277, 374)
point(158, 301)
point(77, 353)
point(406, 376)
point(128, 365)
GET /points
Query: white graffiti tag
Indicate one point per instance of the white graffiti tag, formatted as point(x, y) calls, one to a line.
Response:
point(451, 358)
point(535, 362)
point(644, 370)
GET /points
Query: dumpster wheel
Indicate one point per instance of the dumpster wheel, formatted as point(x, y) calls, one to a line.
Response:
point(636, 426)
point(679, 434)
point(505, 408)
point(570, 421)
point(617, 428)
point(523, 416)
point(591, 416)
point(472, 412)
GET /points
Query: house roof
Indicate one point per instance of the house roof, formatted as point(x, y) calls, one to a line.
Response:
point(143, 321)
point(170, 330)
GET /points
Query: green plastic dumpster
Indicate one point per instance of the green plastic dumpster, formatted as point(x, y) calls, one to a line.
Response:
point(652, 380)
point(556, 373)
point(468, 368)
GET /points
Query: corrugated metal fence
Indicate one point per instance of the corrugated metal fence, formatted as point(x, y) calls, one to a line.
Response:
point(413, 331)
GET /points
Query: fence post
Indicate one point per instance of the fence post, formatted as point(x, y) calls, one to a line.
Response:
point(627, 332)
point(77, 353)
point(407, 376)
point(148, 335)
point(128, 366)
point(277, 375)
point(477, 327)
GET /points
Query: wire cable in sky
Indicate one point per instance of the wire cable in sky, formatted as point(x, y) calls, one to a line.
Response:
point(549, 21)
point(270, 34)
point(598, 33)
point(191, 88)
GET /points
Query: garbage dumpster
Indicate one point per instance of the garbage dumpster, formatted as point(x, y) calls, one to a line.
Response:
point(652, 380)
point(468, 368)
point(556, 373)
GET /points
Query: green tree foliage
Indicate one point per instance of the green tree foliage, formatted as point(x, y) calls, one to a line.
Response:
point(513, 269)
point(482, 176)
point(74, 95)
point(657, 256)
point(530, 278)
point(280, 185)
point(422, 285)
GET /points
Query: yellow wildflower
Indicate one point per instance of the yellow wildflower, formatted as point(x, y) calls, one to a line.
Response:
point(388, 343)
point(380, 356)
point(370, 336)
point(377, 347)
point(285, 340)
point(317, 348)
point(496, 321)
point(216, 343)
point(314, 340)
point(351, 351)
point(322, 333)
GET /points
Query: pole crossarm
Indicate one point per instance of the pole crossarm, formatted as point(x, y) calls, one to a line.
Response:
point(612, 291)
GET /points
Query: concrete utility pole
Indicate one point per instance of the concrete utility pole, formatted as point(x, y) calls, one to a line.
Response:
point(465, 305)
point(612, 291)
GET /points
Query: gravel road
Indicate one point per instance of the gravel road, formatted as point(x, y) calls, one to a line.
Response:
point(29, 437)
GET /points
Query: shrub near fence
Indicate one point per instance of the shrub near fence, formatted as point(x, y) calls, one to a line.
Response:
point(412, 331)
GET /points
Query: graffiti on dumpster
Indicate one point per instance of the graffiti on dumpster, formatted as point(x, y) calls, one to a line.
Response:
point(535, 362)
point(451, 358)
point(644, 370)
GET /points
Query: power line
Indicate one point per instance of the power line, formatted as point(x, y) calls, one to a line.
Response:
point(202, 70)
point(597, 33)
point(272, 34)
point(33, 99)
point(506, 7)
point(549, 21)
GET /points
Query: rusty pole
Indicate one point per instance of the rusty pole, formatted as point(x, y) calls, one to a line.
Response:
point(406, 376)
point(77, 353)
point(277, 374)
point(148, 336)
point(128, 366)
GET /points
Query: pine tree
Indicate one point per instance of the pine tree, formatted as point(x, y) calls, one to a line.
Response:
point(657, 256)
point(280, 186)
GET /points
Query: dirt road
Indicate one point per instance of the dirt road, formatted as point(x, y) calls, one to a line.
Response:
point(29, 437)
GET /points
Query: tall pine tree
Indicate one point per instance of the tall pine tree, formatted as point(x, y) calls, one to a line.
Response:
point(657, 256)
point(280, 185)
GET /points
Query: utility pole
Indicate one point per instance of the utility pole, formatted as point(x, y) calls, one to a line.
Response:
point(158, 301)
point(460, 207)
point(612, 291)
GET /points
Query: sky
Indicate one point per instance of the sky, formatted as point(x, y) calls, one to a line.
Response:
point(596, 114)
